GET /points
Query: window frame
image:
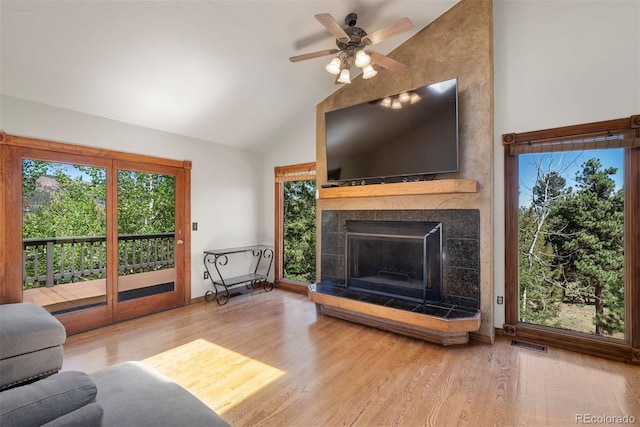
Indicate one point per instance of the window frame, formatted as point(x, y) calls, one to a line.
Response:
point(624, 350)
point(282, 174)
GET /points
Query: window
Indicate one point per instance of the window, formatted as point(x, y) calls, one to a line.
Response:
point(295, 226)
point(572, 235)
point(571, 240)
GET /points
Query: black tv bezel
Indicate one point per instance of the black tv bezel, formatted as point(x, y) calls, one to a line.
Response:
point(409, 177)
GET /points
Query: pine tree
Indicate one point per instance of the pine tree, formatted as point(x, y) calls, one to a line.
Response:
point(590, 244)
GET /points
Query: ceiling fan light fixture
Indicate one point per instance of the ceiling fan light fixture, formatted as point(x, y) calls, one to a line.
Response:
point(362, 59)
point(368, 72)
point(333, 67)
point(351, 42)
point(345, 77)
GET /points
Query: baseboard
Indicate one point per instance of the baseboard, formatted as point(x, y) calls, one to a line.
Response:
point(292, 287)
point(480, 338)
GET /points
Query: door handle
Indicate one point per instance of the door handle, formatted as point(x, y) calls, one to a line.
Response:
point(180, 242)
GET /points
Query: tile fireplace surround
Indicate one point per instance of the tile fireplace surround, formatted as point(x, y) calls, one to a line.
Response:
point(460, 286)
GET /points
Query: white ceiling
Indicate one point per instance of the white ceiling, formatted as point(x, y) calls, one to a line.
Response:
point(213, 70)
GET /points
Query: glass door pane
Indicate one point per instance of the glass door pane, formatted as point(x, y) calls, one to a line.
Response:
point(571, 241)
point(64, 235)
point(147, 242)
point(299, 231)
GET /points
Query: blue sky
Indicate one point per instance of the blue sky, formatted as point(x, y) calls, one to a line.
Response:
point(567, 163)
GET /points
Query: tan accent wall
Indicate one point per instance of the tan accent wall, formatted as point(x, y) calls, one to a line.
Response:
point(457, 44)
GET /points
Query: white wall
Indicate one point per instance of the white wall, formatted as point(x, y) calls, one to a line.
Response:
point(297, 146)
point(559, 63)
point(226, 183)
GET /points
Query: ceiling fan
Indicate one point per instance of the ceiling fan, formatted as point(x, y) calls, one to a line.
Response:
point(352, 43)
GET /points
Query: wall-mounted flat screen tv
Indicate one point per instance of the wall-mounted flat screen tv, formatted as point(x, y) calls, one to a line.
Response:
point(409, 135)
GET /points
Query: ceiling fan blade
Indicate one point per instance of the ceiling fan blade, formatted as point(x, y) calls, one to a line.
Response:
point(312, 55)
point(384, 33)
point(386, 62)
point(332, 25)
point(304, 42)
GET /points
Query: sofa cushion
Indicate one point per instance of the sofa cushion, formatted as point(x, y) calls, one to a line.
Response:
point(28, 367)
point(134, 394)
point(45, 400)
point(87, 416)
point(27, 328)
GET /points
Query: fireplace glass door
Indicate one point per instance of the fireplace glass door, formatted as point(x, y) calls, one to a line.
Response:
point(398, 259)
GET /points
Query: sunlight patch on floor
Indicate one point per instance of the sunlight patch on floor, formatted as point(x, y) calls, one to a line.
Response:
point(216, 375)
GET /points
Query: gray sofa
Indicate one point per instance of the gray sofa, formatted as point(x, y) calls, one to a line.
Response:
point(127, 394)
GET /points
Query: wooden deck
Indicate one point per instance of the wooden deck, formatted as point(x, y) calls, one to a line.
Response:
point(82, 294)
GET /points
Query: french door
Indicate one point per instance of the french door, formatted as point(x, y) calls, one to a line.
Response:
point(93, 236)
point(150, 238)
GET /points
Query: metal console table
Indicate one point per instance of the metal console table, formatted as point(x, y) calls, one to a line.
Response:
point(220, 258)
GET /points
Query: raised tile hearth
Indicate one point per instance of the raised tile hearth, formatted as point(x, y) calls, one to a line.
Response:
point(412, 271)
point(442, 323)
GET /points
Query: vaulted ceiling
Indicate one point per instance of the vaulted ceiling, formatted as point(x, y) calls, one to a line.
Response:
point(213, 70)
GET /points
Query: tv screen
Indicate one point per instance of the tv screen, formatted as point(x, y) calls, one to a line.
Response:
point(410, 134)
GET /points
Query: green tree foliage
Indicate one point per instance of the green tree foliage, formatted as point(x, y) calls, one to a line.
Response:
point(540, 296)
point(62, 206)
point(589, 244)
point(571, 248)
point(145, 203)
point(300, 231)
point(62, 200)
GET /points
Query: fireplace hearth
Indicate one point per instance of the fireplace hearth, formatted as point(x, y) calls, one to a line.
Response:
point(414, 272)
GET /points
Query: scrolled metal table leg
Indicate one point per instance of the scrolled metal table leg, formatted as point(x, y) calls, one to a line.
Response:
point(223, 298)
point(209, 296)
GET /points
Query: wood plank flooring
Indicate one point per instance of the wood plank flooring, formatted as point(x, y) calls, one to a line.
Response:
point(267, 359)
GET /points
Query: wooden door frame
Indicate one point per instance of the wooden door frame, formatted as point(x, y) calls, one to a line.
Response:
point(13, 149)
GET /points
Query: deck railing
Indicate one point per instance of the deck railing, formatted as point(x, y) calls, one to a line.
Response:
point(56, 260)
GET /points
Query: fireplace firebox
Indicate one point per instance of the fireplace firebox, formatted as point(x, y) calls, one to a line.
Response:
point(401, 259)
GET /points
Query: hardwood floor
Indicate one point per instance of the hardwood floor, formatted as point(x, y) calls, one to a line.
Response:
point(268, 359)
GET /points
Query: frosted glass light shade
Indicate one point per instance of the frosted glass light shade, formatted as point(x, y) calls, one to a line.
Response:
point(362, 59)
point(368, 72)
point(333, 67)
point(345, 77)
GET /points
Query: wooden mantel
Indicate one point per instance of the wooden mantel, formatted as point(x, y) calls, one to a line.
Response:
point(440, 186)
